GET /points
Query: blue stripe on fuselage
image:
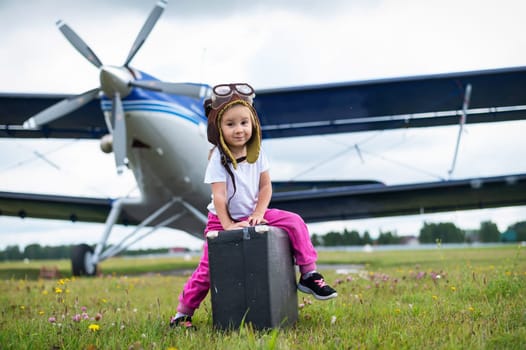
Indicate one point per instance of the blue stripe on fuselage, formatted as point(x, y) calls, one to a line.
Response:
point(188, 108)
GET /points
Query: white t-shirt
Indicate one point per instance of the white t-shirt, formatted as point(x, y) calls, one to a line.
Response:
point(247, 177)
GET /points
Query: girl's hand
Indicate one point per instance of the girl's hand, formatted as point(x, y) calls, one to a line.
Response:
point(256, 219)
point(236, 225)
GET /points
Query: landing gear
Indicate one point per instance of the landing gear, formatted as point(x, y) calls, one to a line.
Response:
point(82, 261)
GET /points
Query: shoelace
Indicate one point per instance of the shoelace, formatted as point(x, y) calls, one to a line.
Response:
point(320, 282)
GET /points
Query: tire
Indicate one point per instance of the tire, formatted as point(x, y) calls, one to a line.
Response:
point(80, 261)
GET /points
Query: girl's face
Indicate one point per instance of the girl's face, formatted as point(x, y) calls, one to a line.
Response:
point(236, 126)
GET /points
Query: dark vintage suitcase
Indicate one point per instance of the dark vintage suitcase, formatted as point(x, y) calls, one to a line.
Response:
point(252, 278)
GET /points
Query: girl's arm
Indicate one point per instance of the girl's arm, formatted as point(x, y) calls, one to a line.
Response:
point(220, 204)
point(264, 195)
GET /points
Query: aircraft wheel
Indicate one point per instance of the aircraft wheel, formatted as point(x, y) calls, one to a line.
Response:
point(81, 261)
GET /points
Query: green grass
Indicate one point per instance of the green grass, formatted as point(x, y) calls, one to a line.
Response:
point(439, 299)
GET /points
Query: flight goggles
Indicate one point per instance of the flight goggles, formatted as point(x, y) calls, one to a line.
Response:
point(223, 93)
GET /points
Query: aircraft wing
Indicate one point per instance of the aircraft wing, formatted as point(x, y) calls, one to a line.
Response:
point(378, 200)
point(421, 101)
point(87, 122)
point(314, 201)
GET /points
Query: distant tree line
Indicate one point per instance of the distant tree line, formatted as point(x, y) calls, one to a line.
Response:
point(38, 252)
point(430, 233)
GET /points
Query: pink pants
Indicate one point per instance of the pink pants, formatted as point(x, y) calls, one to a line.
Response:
point(197, 286)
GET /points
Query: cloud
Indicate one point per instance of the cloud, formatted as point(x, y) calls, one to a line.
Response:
point(269, 44)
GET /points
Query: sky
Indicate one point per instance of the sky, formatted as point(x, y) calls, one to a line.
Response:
point(268, 44)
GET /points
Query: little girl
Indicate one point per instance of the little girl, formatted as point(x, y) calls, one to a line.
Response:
point(238, 172)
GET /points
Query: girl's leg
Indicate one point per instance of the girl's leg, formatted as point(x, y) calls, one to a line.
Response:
point(197, 286)
point(299, 236)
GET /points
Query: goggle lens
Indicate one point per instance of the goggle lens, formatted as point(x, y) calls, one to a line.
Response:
point(228, 89)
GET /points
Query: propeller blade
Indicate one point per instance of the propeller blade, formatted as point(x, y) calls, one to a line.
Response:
point(119, 134)
point(185, 89)
point(146, 29)
point(60, 109)
point(79, 44)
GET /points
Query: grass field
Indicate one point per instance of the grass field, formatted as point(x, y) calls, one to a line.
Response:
point(472, 298)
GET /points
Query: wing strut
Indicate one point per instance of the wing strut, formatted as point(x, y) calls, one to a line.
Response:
point(465, 106)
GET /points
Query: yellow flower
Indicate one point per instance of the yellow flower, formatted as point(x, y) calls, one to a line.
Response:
point(94, 327)
point(453, 288)
point(435, 297)
point(58, 290)
point(471, 308)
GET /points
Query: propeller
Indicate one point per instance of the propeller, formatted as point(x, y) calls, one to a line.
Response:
point(119, 134)
point(146, 29)
point(116, 83)
point(185, 89)
point(60, 109)
point(79, 44)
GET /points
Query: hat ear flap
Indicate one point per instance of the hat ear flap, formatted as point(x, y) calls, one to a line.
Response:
point(254, 144)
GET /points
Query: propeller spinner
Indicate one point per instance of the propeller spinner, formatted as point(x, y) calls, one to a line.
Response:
point(116, 83)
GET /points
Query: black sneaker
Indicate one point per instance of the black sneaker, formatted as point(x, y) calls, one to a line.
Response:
point(182, 321)
point(315, 285)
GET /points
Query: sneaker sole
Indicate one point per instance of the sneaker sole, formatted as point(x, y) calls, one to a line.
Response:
point(307, 290)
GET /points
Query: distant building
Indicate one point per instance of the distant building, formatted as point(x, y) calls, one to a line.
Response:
point(409, 240)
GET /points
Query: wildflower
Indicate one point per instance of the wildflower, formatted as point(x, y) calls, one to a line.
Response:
point(22, 307)
point(98, 316)
point(76, 318)
point(58, 290)
point(453, 288)
point(41, 312)
point(397, 310)
point(94, 327)
point(52, 319)
point(471, 308)
point(435, 297)
point(333, 319)
point(83, 309)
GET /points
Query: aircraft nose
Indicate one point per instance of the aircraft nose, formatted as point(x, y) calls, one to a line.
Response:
point(115, 79)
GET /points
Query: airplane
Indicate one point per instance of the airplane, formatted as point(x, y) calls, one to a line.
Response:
point(157, 130)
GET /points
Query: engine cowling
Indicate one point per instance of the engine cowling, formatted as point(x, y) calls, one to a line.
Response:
point(106, 143)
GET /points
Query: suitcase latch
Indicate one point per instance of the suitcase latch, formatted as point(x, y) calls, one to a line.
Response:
point(246, 234)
